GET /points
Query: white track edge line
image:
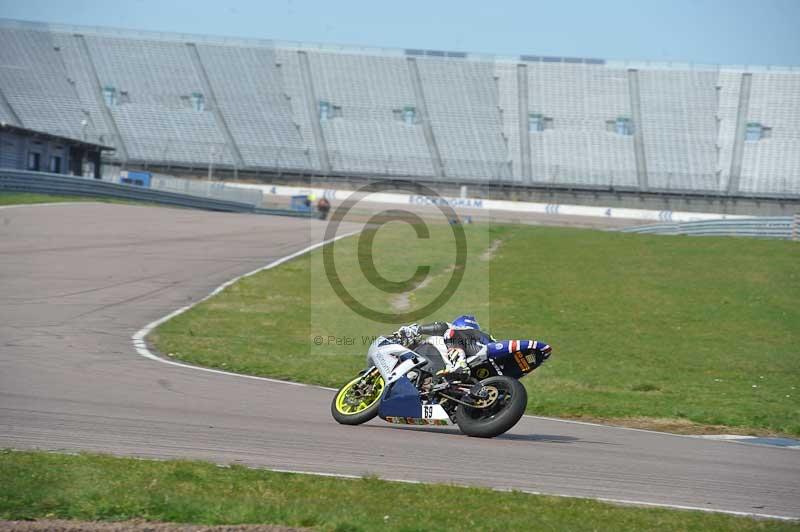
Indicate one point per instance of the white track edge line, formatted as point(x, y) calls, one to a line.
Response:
point(730, 438)
point(140, 344)
point(733, 438)
point(633, 429)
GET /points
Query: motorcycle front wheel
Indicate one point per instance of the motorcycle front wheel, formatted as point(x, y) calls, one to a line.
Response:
point(502, 409)
point(357, 401)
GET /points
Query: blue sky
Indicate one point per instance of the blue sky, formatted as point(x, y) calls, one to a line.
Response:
point(699, 31)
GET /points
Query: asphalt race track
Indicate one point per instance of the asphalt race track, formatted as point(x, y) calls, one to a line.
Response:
point(77, 281)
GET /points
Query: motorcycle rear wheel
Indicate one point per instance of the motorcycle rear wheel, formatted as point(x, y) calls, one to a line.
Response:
point(344, 408)
point(510, 401)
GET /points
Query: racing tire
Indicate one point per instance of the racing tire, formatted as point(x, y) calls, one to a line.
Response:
point(473, 422)
point(362, 415)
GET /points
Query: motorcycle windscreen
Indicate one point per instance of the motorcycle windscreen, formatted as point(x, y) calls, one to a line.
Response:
point(401, 400)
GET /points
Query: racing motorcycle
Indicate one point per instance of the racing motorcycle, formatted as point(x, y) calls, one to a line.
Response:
point(400, 384)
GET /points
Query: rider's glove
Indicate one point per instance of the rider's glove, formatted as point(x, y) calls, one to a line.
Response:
point(408, 332)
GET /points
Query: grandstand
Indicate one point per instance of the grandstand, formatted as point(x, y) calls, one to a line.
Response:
point(187, 101)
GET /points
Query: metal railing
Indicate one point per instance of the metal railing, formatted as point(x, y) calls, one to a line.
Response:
point(46, 183)
point(785, 227)
point(206, 189)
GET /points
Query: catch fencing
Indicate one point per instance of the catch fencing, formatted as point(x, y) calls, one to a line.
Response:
point(784, 227)
point(46, 183)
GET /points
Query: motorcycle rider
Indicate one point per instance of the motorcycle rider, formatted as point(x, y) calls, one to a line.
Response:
point(458, 341)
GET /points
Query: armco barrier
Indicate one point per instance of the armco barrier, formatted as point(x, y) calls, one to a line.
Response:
point(775, 227)
point(45, 183)
point(796, 227)
point(490, 205)
point(205, 189)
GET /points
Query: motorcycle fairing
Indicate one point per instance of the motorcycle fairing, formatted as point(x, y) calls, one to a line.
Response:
point(401, 405)
point(416, 421)
point(431, 415)
point(401, 400)
point(515, 357)
point(507, 347)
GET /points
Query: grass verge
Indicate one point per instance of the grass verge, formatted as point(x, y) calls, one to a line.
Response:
point(24, 198)
point(701, 334)
point(37, 485)
point(28, 198)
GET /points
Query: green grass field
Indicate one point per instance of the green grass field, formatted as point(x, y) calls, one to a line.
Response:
point(29, 198)
point(677, 333)
point(24, 198)
point(37, 485)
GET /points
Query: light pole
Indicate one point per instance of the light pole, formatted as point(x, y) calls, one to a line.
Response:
point(212, 153)
point(166, 152)
point(278, 161)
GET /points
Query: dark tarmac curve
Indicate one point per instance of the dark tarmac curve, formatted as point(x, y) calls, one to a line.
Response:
point(77, 281)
